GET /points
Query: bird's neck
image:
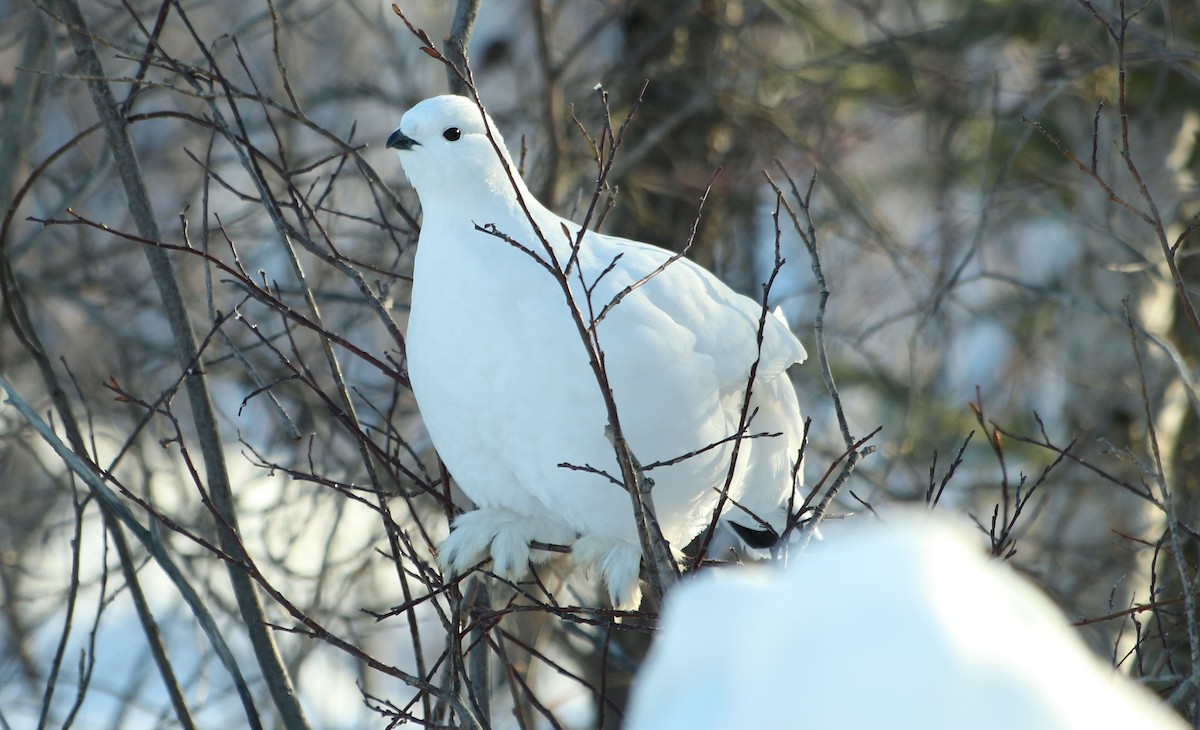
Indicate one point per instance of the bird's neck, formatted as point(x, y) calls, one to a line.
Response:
point(493, 198)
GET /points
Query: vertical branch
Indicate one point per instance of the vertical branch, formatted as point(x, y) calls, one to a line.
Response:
point(1160, 228)
point(23, 99)
point(551, 100)
point(68, 614)
point(270, 663)
point(158, 650)
point(1186, 582)
point(1151, 215)
point(87, 658)
point(480, 675)
point(458, 42)
point(808, 234)
point(661, 569)
point(745, 414)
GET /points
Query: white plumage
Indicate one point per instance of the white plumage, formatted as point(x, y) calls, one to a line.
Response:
point(502, 379)
point(899, 625)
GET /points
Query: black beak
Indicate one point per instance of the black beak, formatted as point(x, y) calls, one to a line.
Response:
point(400, 141)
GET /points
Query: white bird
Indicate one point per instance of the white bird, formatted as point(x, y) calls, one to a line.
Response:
point(903, 625)
point(503, 383)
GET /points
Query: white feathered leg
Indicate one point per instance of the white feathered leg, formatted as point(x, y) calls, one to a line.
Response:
point(619, 565)
point(505, 534)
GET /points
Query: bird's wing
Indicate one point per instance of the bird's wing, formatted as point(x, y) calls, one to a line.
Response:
point(724, 323)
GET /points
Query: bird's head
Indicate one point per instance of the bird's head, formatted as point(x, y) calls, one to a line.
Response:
point(444, 149)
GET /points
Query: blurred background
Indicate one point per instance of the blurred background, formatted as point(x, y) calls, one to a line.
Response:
point(1004, 204)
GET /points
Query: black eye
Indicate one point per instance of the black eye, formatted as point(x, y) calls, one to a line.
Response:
point(452, 133)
